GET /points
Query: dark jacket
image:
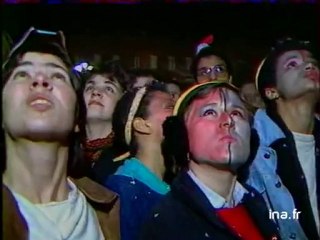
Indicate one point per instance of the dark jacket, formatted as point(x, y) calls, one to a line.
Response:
point(104, 202)
point(185, 213)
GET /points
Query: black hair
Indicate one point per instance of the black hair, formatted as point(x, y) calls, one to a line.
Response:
point(267, 74)
point(112, 70)
point(206, 52)
point(140, 72)
point(122, 109)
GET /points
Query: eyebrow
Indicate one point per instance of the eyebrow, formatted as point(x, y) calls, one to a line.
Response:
point(48, 64)
point(238, 106)
point(219, 64)
point(105, 82)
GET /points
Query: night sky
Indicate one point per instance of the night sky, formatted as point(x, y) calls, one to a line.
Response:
point(248, 30)
point(261, 22)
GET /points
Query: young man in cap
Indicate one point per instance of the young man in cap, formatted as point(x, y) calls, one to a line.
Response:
point(286, 169)
point(39, 113)
point(211, 136)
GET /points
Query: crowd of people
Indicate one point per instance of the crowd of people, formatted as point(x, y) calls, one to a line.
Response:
point(111, 153)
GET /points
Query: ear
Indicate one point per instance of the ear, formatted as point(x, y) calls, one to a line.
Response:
point(271, 93)
point(141, 125)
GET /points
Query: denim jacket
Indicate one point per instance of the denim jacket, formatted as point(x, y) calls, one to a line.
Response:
point(263, 177)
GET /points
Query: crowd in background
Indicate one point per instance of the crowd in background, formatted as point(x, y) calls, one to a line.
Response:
point(104, 152)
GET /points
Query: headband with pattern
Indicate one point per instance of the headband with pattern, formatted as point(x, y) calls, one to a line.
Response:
point(133, 110)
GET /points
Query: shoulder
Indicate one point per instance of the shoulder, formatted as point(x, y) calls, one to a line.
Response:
point(94, 191)
point(13, 223)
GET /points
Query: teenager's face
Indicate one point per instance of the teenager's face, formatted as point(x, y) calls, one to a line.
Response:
point(101, 96)
point(160, 107)
point(218, 129)
point(38, 100)
point(212, 68)
point(297, 73)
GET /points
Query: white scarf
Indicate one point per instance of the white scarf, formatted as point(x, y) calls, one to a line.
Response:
point(72, 219)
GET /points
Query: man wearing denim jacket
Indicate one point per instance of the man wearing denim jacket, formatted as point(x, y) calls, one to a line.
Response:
point(286, 169)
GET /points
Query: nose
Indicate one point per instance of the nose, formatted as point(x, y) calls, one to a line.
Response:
point(96, 93)
point(213, 75)
point(309, 66)
point(41, 81)
point(226, 121)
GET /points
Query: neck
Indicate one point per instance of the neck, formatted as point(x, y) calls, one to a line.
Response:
point(98, 129)
point(298, 114)
point(220, 181)
point(150, 155)
point(37, 170)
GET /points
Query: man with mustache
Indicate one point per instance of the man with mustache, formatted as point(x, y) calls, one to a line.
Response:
point(210, 134)
point(286, 168)
point(39, 115)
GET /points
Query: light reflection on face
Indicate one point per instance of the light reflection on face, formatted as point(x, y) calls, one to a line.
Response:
point(218, 129)
point(38, 97)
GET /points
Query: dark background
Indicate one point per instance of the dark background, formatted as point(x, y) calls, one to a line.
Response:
point(244, 31)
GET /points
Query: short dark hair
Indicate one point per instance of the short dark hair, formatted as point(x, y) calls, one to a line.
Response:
point(112, 70)
point(205, 52)
point(266, 74)
point(140, 72)
point(122, 109)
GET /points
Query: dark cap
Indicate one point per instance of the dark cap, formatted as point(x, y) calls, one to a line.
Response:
point(36, 40)
point(265, 74)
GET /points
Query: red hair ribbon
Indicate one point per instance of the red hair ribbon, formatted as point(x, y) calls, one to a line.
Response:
point(205, 42)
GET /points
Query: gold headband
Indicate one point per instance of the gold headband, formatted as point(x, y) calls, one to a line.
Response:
point(258, 73)
point(133, 110)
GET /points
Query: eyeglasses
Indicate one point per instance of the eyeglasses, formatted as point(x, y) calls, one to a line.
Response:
point(217, 70)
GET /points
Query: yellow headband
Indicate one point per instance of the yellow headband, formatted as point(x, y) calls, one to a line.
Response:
point(133, 110)
point(258, 73)
point(196, 88)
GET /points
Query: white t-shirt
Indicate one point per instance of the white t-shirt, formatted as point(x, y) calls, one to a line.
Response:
point(305, 144)
point(72, 219)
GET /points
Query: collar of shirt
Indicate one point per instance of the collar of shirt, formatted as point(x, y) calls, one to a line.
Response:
point(215, 199)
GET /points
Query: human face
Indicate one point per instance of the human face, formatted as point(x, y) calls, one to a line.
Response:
point(143, 81)
point(297, 73)
point(251, 95)
point(160, 107)
point(212, 68)
point(38, 100)
point(174, 90)
point(101, 96)
point(218, 129)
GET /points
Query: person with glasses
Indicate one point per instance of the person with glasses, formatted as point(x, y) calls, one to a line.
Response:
point(286, 169)
point(39, 117)
point(209, 64)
